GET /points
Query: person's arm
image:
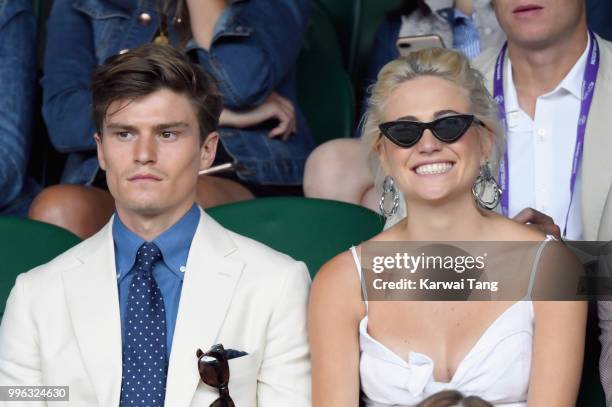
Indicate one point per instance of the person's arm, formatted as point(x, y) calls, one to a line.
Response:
point(17, 81)
point(203, 16)
point(558, 347)
point(284, 375)
point(559, 327)
point(465, 6)
point(19, 347)
point(69, 62)
point(254, 46)
point(274, 107)
point(333, 324)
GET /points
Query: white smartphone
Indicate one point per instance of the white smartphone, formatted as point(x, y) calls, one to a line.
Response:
point(405, 45)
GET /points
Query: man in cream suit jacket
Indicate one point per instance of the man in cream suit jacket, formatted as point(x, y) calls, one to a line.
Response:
point(71, 322)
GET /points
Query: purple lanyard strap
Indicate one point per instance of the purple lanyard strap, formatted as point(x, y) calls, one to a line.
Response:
point(588, 88)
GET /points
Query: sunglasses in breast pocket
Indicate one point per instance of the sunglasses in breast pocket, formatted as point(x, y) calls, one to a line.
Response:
point(214, 371)
point(448, 129)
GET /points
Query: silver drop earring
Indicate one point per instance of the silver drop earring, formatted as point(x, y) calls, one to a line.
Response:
point(486, 190)
point(389, 189)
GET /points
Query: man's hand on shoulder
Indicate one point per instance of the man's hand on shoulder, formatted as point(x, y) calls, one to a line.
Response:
point(538, 220)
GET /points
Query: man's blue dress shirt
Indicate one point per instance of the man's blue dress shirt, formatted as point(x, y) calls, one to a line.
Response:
point(174, 244)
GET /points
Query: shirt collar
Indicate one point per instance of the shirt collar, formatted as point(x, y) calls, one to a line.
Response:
point(126, 246)
point(573, 80)
point(174, 243)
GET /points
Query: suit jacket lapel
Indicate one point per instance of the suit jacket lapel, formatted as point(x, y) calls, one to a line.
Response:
point(208, 286)
point(93, 303)
point(596, 163)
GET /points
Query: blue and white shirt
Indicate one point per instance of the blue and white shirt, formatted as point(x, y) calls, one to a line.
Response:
point(469, 34)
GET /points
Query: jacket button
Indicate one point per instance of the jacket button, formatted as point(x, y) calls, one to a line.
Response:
point(144, 19)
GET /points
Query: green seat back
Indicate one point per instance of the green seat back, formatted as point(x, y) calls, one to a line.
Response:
point(324, 88)
point(341, 13)
point(311, 230)
point(321, 36)
point(325, 95)
point(25, 244)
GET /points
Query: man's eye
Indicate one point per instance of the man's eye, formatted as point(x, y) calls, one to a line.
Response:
point(168, 135)
point(123, 135)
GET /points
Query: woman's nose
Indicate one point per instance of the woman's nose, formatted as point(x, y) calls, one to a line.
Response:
point(428, 143)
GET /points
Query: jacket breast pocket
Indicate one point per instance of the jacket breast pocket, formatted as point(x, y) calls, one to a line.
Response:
point(242, 385)
point(108, 24)
point(244, 368)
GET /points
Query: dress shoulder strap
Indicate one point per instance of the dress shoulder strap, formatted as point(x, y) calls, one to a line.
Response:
point(536, 263)
point(364, 291)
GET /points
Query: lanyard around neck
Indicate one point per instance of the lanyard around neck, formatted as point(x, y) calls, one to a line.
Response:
point(588, 88)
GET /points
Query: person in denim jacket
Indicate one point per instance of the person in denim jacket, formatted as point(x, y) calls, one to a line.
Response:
point(249, 46)
point(17, 83)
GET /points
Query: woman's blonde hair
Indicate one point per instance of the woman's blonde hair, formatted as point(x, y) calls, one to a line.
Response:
point(438, 62)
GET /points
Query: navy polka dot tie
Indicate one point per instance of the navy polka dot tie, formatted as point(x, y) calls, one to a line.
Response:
point(144, 354)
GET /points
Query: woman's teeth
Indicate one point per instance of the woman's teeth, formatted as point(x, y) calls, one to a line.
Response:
point(437, 168)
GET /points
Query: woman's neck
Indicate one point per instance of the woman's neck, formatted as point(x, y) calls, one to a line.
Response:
point(454, 220)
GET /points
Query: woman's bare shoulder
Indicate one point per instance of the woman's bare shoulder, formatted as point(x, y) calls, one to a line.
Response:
point(340, 271)
point(509, 230)
point(337, 285)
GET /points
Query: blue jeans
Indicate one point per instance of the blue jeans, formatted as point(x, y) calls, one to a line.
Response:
point(17, 84)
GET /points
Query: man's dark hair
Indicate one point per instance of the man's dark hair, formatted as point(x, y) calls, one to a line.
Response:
point(147, 69)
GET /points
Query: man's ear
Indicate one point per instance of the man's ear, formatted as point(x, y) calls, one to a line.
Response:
point(208, 150)
point(100, 152)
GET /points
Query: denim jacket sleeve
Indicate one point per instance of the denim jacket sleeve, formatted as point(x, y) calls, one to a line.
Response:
point(17, 83)
point(255, 45)
point(69, 61)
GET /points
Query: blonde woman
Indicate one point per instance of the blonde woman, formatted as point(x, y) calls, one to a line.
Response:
point(432, 128)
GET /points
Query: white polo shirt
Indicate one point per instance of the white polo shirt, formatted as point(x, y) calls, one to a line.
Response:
point(540, 151)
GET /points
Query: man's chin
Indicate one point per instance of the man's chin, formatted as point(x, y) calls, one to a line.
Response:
point(536, 39)
point(142, 208)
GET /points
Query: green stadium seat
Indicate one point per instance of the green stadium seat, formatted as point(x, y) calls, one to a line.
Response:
point(25, 244)
point(325, 94)
point(311, 230)
point(341, 13)
point(321, 36)
point(325, 91)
